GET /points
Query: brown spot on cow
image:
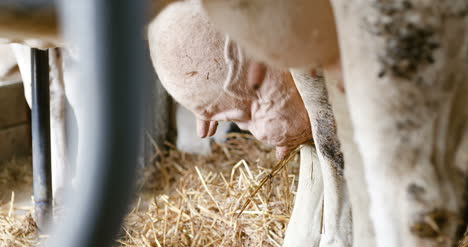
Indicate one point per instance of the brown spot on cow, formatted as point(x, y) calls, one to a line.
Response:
point(432, 224)
point(410, 41)
point(416, 192)
point(328, 143)
point(340, 87)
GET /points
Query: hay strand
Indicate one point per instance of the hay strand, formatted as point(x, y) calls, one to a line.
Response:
point(282, 163)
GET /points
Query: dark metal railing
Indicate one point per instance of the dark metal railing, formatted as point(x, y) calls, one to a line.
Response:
point(40, 126)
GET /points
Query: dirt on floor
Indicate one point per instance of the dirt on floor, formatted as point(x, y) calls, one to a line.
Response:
point(183, 199)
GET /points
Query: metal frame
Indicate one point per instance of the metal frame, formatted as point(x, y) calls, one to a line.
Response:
point(40, 128)
point(109, 37)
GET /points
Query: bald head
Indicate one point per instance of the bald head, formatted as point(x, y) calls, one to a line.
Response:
point(207, 73)
point(187, 54)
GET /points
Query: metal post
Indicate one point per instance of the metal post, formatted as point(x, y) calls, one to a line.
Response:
point(40, 118)
point(108, 36)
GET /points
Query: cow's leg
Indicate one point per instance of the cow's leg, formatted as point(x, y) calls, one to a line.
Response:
point(7, 63)
point(23, 58)
point(60, 165)
point(306, 218)
point(337, 225)
point(406, 80)
point(57, 109)
point(363, 232)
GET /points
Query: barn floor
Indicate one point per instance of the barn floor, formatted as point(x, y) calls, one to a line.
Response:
point(183, 199)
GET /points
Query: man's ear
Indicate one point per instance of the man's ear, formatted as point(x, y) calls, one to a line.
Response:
point(236, 83)
point(256, 75)
point(233, 59)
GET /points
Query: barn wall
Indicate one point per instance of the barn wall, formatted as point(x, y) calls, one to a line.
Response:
point(159, 116)
point(15, 130)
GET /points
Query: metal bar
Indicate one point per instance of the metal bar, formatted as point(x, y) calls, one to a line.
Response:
point(109, 37)
point(40, 118)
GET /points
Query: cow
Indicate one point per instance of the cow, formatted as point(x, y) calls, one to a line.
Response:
point(208, 73)
point(395, 82)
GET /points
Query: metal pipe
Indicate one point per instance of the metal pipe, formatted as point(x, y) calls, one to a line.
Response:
point(108, 35)
point(40, 125)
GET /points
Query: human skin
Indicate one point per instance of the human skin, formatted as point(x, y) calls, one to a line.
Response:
point(208, 74)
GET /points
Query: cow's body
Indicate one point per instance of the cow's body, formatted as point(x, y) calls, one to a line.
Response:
point(309, 39)
point(363, 232)
point(411, 127)
point(404, 67)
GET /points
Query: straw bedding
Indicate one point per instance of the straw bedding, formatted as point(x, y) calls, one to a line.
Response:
point(186, 200)
point(183, 200)
point(17, 227)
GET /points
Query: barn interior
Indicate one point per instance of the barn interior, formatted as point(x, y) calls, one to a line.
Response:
point(182, 200)
point(382, 85)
